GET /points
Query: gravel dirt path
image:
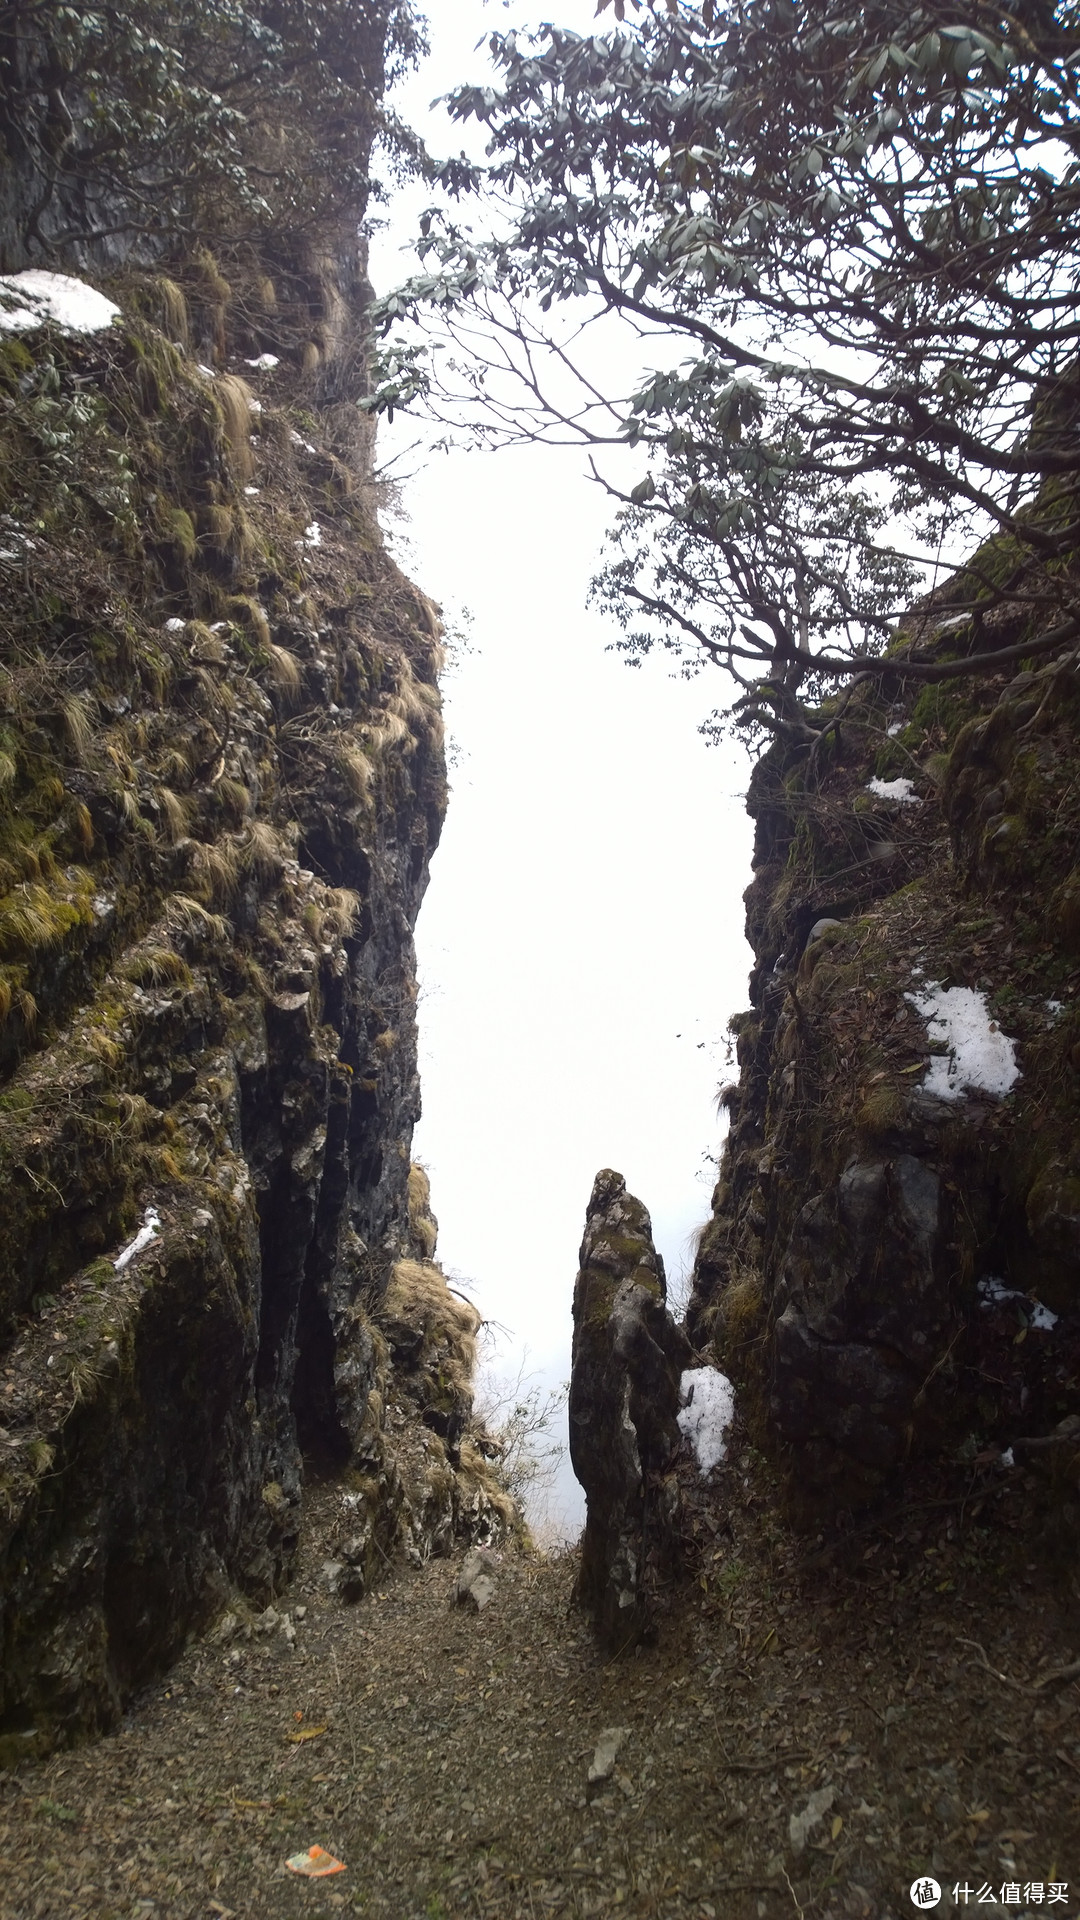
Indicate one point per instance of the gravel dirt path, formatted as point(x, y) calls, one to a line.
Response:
point(914, 1699)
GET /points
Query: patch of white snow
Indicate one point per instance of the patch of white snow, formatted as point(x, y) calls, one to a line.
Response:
point(900, 790)
point(707, 1411)
point(313, 535)
point(56, 297)
point(979, 1057)
point(147, 1232)
point(994, 1293)
point(23, 542)
point(175, 625)
point(265, 362)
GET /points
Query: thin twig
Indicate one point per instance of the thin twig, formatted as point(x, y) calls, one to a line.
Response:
point(1057, 1675)
point(800, 1910)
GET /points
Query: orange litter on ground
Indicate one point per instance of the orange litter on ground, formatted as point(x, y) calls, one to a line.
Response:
point(316, 1863)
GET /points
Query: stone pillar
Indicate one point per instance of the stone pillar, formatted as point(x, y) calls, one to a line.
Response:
point(628, 1355)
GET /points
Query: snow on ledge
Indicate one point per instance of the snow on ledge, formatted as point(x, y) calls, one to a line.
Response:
point(147, 1232)
point(900, 790)
point(979, 1058)
point(707, 1411)
point(55, 297)
point(994, 1293)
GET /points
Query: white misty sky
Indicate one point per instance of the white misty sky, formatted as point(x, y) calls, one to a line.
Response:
point(581, 945)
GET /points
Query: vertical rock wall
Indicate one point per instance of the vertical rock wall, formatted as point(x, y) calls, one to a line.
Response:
point(892, 1268)
point(221, 782)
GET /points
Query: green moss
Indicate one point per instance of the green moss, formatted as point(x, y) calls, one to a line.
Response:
point(939, 713)
point(177, 529)
point(16, 361)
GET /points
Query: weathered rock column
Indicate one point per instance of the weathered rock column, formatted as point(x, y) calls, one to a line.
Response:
point(628, 1355)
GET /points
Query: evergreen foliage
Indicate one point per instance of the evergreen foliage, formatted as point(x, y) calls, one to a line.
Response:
point(128, 129)
point(862, 222)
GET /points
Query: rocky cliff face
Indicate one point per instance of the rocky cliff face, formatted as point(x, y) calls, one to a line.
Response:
point(221, 781)
point(892, 1267)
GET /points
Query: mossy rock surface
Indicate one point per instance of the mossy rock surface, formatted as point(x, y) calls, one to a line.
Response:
point(207, 993)
point(860, 1343)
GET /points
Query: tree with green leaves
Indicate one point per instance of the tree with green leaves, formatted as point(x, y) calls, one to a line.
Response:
point(130, 131)
point(859, 226)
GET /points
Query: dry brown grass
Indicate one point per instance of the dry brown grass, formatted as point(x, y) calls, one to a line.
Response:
point(234, 398)
point(357, 768)
point(740, 1310)
point(219, 866)
point(479, 1471)
point(188, 919)
point(283, 672)
point(419, 1295)
point(261, 852)
point(423, 1227)
point(342, 910)
point(880, 1110)
point(157, 966)
point(78, 725)
point(175, 320)
point(82, 825)
point(103, 1046)
point(222, 528)
point(175, 766)
point(245, 611)
point(174, 814)
point(390, 730)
